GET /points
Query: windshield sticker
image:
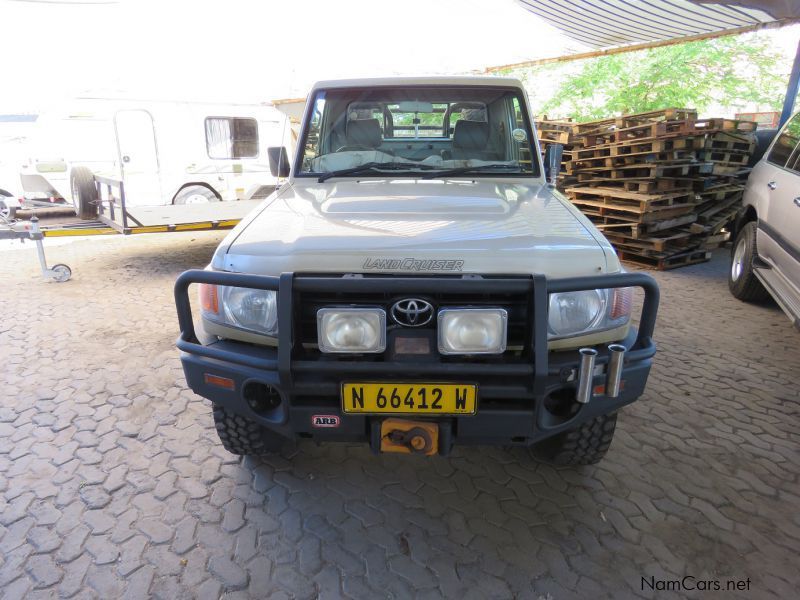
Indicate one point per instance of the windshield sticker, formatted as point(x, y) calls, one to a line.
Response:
point(519, 135)
point(413, 264)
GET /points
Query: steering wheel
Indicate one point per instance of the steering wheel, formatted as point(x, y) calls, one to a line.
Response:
point(353, 147)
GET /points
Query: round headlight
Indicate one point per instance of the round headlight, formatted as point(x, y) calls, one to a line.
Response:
point(573, 312)
point(251, 309)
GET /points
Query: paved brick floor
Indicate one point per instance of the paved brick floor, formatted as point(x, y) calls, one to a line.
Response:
point(112, 482)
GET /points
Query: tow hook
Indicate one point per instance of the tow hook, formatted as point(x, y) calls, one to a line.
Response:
point(416, 440)
point(411, 437)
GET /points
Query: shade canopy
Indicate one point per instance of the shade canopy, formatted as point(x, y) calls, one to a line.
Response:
point(600, 24)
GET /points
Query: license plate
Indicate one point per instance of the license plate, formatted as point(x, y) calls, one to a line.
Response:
point(410, 398)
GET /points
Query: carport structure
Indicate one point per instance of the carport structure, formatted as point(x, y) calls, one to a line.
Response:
point(613, 26)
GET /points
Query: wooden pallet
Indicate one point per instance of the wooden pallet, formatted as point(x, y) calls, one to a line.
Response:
point(673, 240)
point(726, 169)
point(726, 157)
point(636, 230)
point(715, 240)
point(651, 171)
point(667, 262)
point(716, 218)
point(557, 132)
point(652, 145)
point(631, 212)
point(728, 141)
point(661, 129)
point(555, 137)
point(671, 158)
point(724, 125)
point(646, 186)
point(620, 195)
point(666, 114)
point(720, 192)
point(662, 185)
point(554, 124)
point(581, 153)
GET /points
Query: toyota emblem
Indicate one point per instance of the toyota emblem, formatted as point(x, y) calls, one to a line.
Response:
point(412, 312)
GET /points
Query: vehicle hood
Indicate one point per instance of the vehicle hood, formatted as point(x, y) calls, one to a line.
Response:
point(406, 225)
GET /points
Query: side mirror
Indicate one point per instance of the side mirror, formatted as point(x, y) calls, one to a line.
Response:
point(278, 161)
point(552, 162)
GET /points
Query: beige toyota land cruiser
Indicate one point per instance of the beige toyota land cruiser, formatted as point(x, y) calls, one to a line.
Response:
point(415, 284)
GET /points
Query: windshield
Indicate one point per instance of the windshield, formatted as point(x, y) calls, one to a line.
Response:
point(407, 131)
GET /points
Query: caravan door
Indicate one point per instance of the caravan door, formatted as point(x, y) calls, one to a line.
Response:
point(138, 156)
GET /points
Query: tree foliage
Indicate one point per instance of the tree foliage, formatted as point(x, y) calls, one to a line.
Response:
point(736, 72)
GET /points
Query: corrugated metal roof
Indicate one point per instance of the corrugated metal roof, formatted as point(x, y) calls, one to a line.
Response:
point(611, 23)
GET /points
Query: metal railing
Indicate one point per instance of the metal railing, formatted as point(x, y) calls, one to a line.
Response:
point(113, 203)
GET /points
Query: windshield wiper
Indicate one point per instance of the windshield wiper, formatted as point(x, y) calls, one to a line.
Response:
point(473, 169)
point(377, 166)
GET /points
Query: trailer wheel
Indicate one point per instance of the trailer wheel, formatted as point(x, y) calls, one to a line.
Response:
point(242, 436)
point(195, 194)
point(584, 445)
point(84, 193)
point(61, 273)
point(9, 213)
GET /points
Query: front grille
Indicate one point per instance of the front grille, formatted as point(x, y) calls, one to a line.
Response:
point(518, 305)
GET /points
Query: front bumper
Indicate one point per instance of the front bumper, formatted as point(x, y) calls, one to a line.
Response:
point(520, 401)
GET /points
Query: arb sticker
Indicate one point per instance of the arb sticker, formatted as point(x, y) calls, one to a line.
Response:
point(325, 420)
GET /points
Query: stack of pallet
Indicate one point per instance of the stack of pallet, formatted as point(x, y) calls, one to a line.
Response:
point(559, 132)
point(660, 185)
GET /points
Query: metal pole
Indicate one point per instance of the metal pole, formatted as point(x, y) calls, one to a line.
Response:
point(122, 204)
point(792, 90)
point(36, 236)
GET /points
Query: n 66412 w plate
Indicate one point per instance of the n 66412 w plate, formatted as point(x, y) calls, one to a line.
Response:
point(390, 398)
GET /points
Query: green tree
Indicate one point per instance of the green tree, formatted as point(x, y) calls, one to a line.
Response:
point(733, 72)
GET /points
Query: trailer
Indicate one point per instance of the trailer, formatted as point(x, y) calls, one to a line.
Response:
point(116, 217)
point(166, 152)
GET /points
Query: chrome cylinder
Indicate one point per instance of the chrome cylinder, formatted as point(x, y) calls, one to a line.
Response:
point(585, 373)
point(616, 356)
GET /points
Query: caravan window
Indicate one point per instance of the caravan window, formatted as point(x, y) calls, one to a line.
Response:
point(231, 137)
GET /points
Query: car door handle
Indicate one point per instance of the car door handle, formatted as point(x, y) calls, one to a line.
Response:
point(772, 185)
point(797, 201)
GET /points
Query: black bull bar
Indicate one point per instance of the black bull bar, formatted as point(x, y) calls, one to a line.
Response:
point(540, 368)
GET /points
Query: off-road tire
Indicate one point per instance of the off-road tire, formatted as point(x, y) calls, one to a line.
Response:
point(82, 186)
point(746, 287)
point(584, 445)
point(242, 436)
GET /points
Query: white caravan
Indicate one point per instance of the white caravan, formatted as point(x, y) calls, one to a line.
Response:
point(165, 152)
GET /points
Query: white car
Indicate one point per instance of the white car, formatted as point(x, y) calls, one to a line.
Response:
point(416, 284)
point(765, 258)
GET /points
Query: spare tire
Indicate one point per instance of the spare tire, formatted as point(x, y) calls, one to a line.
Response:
point(84, 193)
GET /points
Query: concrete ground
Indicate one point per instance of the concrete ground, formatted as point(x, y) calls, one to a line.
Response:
point(113, 483)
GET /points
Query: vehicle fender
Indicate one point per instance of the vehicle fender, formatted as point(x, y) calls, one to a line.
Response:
point(189, 184)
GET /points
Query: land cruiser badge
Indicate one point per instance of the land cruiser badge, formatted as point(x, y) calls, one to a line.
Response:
point(413, 264)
